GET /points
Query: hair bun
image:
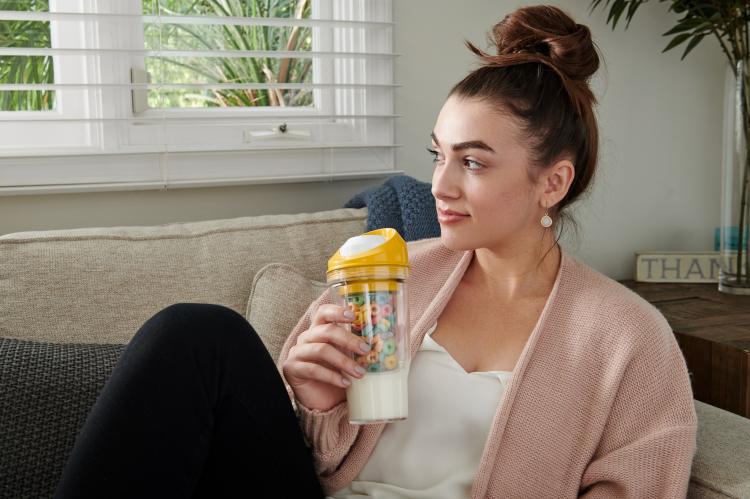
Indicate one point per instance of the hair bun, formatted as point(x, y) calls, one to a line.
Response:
point(545, 31)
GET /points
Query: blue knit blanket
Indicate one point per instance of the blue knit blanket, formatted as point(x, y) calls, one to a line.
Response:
point(403, 203)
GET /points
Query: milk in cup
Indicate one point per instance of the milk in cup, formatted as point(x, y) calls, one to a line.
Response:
point(367, 276)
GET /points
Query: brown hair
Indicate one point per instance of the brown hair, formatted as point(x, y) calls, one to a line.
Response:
point(540, 73)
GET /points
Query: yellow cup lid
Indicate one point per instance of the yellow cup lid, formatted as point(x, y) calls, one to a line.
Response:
point(368, 287)
point(376, 247)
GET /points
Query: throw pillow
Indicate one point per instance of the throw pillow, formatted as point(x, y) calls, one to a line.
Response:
point(46, 392)
point(280, 295)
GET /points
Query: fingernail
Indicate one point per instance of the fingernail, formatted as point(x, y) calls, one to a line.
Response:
point(346, 381)
point(349, 314)
point(364, 347)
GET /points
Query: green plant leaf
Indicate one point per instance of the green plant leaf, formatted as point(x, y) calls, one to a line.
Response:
point(594, 5)
point(617, 9)
point(687, 25)
point(695, 41)
point(631, 10)
point(676, 41)
point(678, 6)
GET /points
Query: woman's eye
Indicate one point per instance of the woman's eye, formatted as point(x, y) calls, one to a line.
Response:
point(436, 158)
point(474, 162)
point(434, 154)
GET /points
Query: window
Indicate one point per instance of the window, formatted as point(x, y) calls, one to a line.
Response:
point(20, 69)
point(169, 93)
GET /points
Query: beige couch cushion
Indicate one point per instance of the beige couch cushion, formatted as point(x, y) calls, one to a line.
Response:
point(721, 467)
point(99, 285)
point(280, 296)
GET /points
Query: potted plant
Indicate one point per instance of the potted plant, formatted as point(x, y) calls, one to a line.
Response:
point(727, 20)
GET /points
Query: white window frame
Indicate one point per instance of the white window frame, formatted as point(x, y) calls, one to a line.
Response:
point(105, 161)
point(68, 102)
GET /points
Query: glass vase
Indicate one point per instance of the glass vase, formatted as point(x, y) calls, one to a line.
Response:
point(734, 270)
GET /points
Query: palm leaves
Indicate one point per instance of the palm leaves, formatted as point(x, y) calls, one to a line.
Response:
point(39, 69)
point(230, 37)
point(25, 69)
point(725, 19)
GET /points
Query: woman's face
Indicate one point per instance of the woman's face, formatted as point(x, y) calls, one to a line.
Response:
point(480, 169)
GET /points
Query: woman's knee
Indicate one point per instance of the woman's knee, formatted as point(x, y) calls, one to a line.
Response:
point(197, 325)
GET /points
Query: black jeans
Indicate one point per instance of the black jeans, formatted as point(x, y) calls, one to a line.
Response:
point(194, 407)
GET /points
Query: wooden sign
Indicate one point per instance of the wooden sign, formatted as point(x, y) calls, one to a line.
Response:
point(679, 266)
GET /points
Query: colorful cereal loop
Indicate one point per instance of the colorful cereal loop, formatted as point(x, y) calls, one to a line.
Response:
point(389, 346)
point(390, 362)
point(356, 299)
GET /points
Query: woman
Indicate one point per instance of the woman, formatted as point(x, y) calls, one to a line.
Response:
point(532, 374)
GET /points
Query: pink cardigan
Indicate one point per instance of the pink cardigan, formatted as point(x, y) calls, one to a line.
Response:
point(599, 403)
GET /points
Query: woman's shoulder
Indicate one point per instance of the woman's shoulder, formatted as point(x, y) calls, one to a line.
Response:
point(432, 253)
point(591, 298)
point(431, 263)
point(609, 303)
point(421, 247)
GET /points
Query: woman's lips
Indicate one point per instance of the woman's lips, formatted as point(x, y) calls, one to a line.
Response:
point(450, 218)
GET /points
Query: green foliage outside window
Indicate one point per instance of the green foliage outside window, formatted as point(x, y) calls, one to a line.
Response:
point(228, 37)
point(26, 69)
point(39, 69)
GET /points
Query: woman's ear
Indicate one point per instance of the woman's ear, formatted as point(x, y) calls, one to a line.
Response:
point(557, 180)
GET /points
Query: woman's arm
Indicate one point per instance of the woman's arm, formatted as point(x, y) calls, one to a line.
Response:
point(649, 439)
point(328, 432)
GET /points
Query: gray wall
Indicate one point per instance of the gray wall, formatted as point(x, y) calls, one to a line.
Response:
point(660, 118)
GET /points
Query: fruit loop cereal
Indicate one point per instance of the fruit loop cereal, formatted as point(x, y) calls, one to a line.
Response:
point(375, 321)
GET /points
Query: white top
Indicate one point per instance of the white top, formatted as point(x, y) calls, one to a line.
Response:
point(435, 452)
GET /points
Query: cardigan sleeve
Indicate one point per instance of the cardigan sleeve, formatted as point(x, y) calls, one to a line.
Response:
point(328, 433)
point(649, 438)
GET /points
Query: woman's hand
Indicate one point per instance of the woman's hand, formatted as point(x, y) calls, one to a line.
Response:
point(316, 363)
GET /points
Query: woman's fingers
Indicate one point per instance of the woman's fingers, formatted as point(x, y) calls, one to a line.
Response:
point(324, 352)
point(328, 312)
point(316, 372)
point(327, 332)
point(321, 352)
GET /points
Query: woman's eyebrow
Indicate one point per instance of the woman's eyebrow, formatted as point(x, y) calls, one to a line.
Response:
point(469, 144)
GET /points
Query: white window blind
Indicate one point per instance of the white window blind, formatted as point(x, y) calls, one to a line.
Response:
point(144, 94)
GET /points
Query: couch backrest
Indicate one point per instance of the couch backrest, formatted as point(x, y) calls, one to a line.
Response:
point(99, 285)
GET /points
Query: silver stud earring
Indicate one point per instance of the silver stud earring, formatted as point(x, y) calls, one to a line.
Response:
point(546, 221)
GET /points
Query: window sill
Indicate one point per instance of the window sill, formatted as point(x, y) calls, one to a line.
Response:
point(193, 183)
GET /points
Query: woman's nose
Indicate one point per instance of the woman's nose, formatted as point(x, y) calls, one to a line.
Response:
point(443, 185)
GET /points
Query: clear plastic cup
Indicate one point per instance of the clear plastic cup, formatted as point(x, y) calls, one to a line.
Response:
point(367, 276)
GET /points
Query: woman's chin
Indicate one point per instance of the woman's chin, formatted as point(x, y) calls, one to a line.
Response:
point(454, 241)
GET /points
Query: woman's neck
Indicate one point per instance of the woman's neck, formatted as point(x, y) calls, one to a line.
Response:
point(515, 278)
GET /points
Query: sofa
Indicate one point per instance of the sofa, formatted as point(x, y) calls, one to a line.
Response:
point(70, 300)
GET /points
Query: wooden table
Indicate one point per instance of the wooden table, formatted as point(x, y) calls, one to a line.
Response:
point(713, 331)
